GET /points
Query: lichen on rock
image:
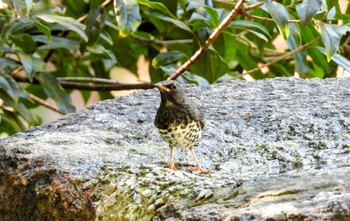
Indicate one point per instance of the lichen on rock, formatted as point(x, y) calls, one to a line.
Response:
point(279, 149)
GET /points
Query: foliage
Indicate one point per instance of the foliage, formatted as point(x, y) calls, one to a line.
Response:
point(42, 42)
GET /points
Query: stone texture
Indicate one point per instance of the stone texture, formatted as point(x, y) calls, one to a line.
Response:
point(280, 150)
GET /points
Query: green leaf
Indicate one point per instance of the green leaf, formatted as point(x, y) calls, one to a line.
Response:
point(280, 70)
point(176, 22)
point(128, 16)
point(330, 3)
point(331, 13)
point(226, 45)
point(8, 62)
point(93, 26)
point(199, 21)
point(316, 71)
point(4, 84)
point(99, 52)
point(27, 62)
point(213, 14)
point(44, 29)
point(169, 69)
point(307, 9)
point(9, 123)
point(172, 5)
point(156, 6)
point(7, 99)
point(67, 22)
point(331, 35)
point(248, 63)
point(196, 79)
point(318, 58)
point(275, 9)
point(54, 90)
point(57, 42)
point(106, 37)
point(308, 33)
point(25, 42)
point(24, 112)
point(337, 58)
point(341, 61)
point(249, 24)
point(294, 42)
point(167, 58)
point(211, 66)
point(29, 4)
point(21, 26)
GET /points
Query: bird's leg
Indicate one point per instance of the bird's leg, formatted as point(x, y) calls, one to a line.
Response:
point(171, 165)
point(198, 166)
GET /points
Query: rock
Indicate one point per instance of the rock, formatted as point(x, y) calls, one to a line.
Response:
point(280, 150)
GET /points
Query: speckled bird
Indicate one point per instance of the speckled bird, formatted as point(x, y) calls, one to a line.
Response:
point(178, 120)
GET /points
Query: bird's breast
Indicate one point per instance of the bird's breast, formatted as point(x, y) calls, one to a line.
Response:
point(182, 135)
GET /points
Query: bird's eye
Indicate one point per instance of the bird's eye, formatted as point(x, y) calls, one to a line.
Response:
point(173, 87)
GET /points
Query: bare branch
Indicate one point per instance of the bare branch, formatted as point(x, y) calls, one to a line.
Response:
point(251, 7)
point(104, 4)
point(86, 79)
point(152, 39)
point(44, 103)
point(90, 83)
point(302, 47)
point(117, 86)
point(210, 40)
point(160, 42)
point(266, 19)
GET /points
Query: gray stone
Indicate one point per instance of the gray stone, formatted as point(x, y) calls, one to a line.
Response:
point(280, 150)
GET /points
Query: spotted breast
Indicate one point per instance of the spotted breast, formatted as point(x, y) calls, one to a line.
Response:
point(182, 135)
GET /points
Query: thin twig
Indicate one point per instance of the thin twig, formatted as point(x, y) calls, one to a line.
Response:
point(84, 17)
point(251, 7)
point(86, 79)
point(44, 103)
point(266, 19)
point(210, 40)
point(153, 39)
point(108, 87)
point(160, 42)
point(302, 47)
point(103, 84)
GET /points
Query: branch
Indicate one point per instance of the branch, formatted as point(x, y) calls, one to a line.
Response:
point(266, 19)
point(210, 40)
point(251, 7)
point(160, 42)
point(44, 103)
point(152, 39)
point(89, 83)
point(302, 47)
point(116, 86)
point(104, 4)
point(86, 79)
point(102, 84)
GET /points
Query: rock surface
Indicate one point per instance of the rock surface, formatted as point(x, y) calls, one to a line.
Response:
point(280, 150)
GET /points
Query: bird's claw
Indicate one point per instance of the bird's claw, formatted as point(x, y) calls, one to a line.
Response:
point(198, 167)
point(172, 166)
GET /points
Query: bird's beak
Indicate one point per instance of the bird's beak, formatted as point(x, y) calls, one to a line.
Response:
point(162, 88)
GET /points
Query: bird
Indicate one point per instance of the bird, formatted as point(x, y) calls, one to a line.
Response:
point(179, 121)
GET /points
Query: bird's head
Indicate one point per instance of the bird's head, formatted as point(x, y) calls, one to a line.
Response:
point(171, 93)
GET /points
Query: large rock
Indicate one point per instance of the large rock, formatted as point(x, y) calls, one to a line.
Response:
point(280, 150)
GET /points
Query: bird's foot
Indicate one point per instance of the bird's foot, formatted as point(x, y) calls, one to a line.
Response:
point(172, 166)
point(198, 167)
